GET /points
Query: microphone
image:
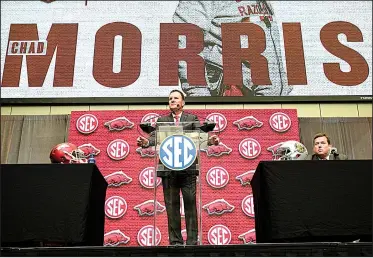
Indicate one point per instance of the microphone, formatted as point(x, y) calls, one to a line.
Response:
point(208, 126)
point(177, 106)
point(146, 126)
point(334, 151)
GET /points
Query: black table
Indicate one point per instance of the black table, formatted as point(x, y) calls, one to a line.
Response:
point(52, 204)
point(313, 201)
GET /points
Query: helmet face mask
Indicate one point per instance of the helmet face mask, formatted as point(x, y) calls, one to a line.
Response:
point(282, 153)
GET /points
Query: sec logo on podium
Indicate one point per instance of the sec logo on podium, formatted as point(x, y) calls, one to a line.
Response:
point(177, 152)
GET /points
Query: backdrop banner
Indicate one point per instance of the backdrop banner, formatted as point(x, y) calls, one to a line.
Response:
point(247, 137)
point(128, 51)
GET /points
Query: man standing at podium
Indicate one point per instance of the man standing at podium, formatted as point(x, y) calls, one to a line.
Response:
point(323, 150)
point(185, 180)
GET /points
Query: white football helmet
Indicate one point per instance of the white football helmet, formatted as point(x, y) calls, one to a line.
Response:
point(290, 150)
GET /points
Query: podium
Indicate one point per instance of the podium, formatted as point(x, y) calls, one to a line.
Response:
point(177, 164)
point(52, 205)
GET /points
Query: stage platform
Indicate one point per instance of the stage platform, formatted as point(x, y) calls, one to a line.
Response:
point(282, 249)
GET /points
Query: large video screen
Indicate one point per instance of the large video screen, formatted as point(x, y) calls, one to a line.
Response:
point(229, 51)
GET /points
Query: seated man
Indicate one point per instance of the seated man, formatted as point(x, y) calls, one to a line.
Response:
point(323, 150)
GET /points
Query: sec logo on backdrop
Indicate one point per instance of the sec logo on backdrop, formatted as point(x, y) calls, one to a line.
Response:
point(219, 235)
point(118, 149)
point(148, 176)
point(87, 124)
point(219, 120)
point(147, 237)
point(280, 122)
point(115, 207)
point(247, 205)
point(249, 148)
point(217, 177)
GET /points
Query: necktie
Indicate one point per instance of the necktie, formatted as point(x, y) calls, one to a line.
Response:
point(176, 120)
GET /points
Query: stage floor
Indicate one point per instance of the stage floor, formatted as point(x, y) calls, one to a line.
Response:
point(283, 249)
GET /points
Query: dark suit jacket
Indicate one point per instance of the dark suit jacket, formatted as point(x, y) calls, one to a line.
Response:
point(331, 157)
point(185, 118)
point(191, 122)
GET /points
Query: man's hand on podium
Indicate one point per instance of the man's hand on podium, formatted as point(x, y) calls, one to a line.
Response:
point(142, 142)
point(214, 140)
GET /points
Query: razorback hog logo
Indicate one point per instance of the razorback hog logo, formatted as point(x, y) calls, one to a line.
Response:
point(119, 124)
point(217, 177)
point(219, 235)
point(219, 120)
point(87, 123)
point(217, 150)
point(115, 207)
point(118, 149)
point(145, 236)
point(115, 237)
point(274, 148)
point(248, 237)
point(146, 152)
point(218, 207)
point(89, 149)
point(247, 206)
point(249, 148)
point(147, 208)
point(117, 179)
point(245, 178)
point(248, 123)
point(148, 176)
point(150, 118)
point(280, 122)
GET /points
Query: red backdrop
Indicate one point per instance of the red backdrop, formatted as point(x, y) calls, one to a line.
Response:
point(227, 213)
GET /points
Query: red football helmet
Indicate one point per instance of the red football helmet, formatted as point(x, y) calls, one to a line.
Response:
point(66, 153)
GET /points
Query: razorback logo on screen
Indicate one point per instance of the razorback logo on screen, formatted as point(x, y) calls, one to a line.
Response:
point(218, 207)
point(115, 237)
point(117, 179)
point(89, 149)
point(146, 152)
point(248, 237)
point(274, 148)
point(245, 178)
point(217, 150)
point(248, 123)
point(147, 208)
point(119, 124)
